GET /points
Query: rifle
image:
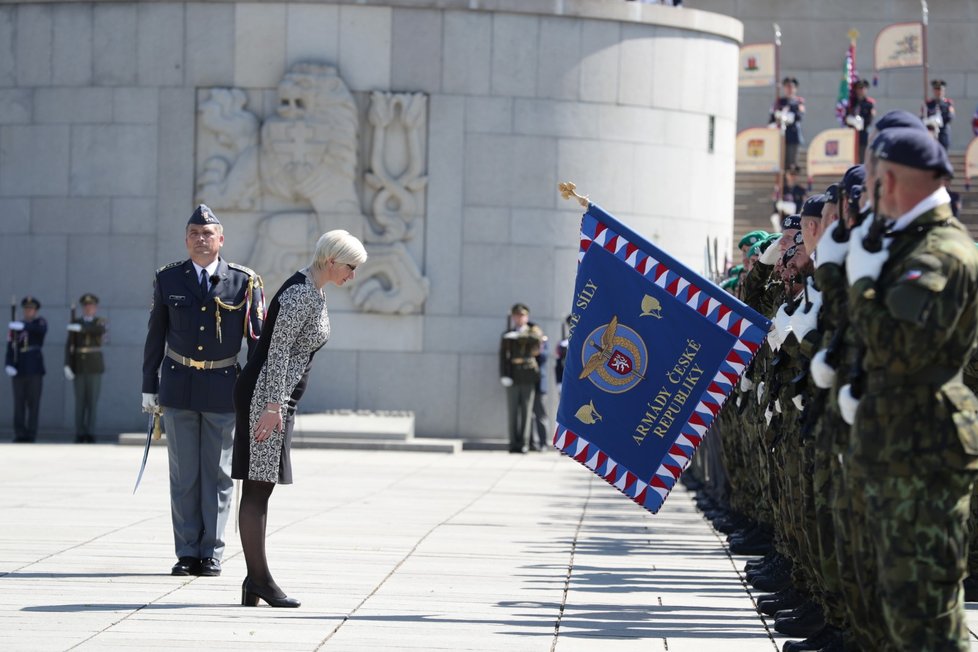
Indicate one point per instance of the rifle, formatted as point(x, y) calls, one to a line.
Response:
point(873, 242)
point(11, 335)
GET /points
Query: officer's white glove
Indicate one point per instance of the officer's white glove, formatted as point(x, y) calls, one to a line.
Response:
point(11, 371)
point(770, 255)
point(861, 263)
point(760, 391)
point(802, 322)
point(74, 328)
point(788, 117)
point(506, 381)
point(151, 402)
point(822, 372)
point(856, 122)
point(69, 374)
point(768, 415)
point(16, 325)
point(777, 119)
point(786, 207)
point(746, 384)
point(848, 404)
point(828, 251)
point(779, 328)
point(777, 405)
point(798, 401)
point(936, 121)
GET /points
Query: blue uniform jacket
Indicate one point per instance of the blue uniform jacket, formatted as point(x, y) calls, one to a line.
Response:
point(184, 320)
point(28, 359)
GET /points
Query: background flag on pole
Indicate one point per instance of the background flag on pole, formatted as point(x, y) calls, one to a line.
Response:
point(655, 350)
point(849, 77)
point(899, 46)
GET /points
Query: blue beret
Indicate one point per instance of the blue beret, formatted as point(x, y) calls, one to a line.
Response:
point(913, 148)
point(813, 206)
point(852, 183)
point(203, 216)
point(791, 222)
point(899, 118)
point(832, 194)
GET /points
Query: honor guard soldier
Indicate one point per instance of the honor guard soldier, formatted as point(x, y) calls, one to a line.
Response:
point(519, 373)
point(787, 114)
point(84, 365)
point(939, 112)
point(25, 365)
point(860, 114)
point(202, 308)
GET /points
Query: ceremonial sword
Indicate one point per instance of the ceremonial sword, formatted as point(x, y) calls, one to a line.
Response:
point(153, 431)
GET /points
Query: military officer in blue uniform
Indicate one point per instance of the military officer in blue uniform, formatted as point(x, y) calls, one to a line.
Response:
point(786, 114)
point(84, 365)
point(25, 365)
point(939, 112)
point(202, 309)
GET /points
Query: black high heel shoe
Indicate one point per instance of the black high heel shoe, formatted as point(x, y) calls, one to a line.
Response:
point(250, 593)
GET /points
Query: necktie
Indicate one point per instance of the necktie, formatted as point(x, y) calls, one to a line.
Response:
point(205, 284)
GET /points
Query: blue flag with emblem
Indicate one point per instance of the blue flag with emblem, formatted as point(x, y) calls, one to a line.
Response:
point(655, 350)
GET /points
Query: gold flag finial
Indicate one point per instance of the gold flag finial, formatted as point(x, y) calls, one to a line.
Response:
point(568, 190)
point(853, 34)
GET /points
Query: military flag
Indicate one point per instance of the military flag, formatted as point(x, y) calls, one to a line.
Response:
point(849, 77)
point(832, 152)
point(758, 149)
point(654, 351)
point(757, 65)
point(900, 46)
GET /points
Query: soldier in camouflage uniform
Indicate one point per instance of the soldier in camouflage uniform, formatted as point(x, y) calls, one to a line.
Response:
point(84, 365)
point(914, 307)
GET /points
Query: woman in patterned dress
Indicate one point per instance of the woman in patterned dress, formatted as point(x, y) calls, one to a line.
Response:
point(266, 394)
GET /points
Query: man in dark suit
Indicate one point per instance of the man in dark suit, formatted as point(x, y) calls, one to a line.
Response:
point(84, 365)
point(202, 308)
point(25, 366)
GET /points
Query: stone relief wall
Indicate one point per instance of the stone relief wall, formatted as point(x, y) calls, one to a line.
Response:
point(299, 170)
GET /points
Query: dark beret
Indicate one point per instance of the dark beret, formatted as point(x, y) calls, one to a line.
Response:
point(813, 206)
point(899, 118)
point(938, 83)
point(913, 148)
point(791, 222)
point(832, 194)
point(30, 302)
point(203, 216)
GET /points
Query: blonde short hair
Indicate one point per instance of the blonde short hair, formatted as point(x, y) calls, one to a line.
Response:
point(341, 247)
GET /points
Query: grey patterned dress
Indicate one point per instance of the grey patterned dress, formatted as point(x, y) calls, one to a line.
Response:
point(297, 325)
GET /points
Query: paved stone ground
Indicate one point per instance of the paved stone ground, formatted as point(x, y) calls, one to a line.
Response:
point(388, 551)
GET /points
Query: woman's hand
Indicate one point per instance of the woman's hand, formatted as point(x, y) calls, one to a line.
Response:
point(269, 421)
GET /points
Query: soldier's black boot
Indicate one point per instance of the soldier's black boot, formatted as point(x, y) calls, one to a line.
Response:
point(777, 580)
point(773, 564)
point(805, 621)
point(826, 636)
point(761, 562)
point(781, 601)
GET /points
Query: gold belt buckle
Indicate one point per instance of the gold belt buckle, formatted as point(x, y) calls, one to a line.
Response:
point(196, 364)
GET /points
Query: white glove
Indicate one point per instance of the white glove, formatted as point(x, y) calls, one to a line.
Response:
point(770, 255)
point(828, 251)
point(69, 374)
point(848, 404)
point(936, 121)
point(151, 402)
point(788, 117)
point(768, 415)
point(786, 207)
point(798, 401)
point(506, 381)
point(11, 371)
point(779, 328)
point(777, 405)
point(746, 384)
point(16, 325)
point(74, 328)
point(822, 372)
point(802, 322)
point(861, 263)
point(760, 391)
point(856, 122)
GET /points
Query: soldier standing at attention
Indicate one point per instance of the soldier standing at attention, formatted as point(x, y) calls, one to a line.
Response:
point(939, 112)
point(202, 307)
point(25, 366)
point(519, 373)
point(84, 365)
point(787, 114)
point(860, 115)
point(914, 308)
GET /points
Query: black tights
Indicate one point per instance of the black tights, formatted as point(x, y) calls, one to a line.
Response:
point(252, 518)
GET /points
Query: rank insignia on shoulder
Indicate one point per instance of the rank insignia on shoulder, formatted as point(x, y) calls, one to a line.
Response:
point(169, 266)
point(242, 268)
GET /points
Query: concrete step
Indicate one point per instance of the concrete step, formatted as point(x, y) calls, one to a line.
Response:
point(415, 444)
point(340, 424)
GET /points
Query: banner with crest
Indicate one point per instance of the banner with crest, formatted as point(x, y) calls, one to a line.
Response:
point(654, 351)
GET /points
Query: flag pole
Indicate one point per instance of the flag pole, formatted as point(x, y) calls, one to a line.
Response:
point(924, 13)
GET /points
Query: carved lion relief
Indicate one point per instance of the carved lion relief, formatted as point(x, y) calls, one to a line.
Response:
point(297, 174)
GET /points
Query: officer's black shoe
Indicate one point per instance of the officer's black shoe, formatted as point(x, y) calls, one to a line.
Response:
point(731, 523)
point(758, 542)
point(971, 588)
point(89, 439)
point(209, 567)
point(773, 563)
point(778, 580)
point(825, 636)
point(760, 562)
point(807, 621)
point(79, 439)
point(782, 600)
point(186, 566)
